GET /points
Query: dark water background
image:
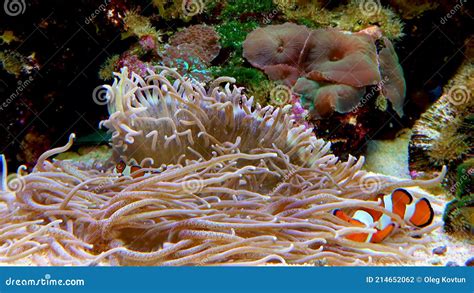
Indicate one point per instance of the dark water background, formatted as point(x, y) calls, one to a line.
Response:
point(69, 50)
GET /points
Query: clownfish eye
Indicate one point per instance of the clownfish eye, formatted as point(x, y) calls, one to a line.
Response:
point(120, 166)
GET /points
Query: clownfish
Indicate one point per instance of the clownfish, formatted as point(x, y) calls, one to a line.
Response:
point(124, 170)
point(419, 214)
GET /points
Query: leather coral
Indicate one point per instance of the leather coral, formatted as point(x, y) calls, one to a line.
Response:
point(341, 64)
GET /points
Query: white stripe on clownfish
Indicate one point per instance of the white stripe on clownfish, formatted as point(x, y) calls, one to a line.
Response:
point(385, 219)
point(365, 218)
point(410, 211)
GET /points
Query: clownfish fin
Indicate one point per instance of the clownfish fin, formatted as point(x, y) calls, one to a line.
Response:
point(399, 200)
point(380, 235)
point(421, 213)
point(359, 237)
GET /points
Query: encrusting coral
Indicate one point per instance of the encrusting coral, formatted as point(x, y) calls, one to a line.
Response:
point(443, 134)
point(227, 182)
point(202, 39)
point(139, 26)
point(192, 50)
point(353, 16)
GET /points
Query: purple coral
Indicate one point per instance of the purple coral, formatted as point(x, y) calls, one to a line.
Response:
point(147, 42)
point(133, 63)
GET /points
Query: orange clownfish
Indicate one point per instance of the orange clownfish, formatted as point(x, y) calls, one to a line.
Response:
point(124, 170)
point(400, 202)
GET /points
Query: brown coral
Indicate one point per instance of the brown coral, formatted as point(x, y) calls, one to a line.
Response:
point(323, 99)
point(393, 86)
point(276, 44)
point(289, 51)
point(332, 55)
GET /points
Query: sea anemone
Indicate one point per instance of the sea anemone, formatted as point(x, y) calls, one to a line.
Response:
point(227, 182)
